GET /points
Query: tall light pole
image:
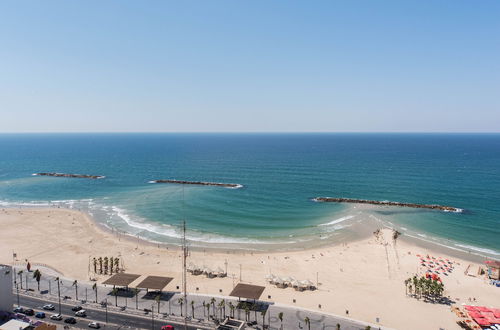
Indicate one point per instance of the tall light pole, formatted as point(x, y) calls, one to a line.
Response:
point(17, 289)
point(59, 293)
point(184, 254)
point(152, 317)
point(184, 271)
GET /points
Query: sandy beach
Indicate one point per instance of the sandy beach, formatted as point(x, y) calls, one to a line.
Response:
point(364, 276)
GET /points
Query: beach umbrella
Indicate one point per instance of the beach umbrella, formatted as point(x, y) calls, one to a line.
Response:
point(295, 283)
point(307, 283)
point(287, 279)
point(270, 277)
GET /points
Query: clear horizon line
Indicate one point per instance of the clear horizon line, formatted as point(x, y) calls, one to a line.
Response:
point(253, 132)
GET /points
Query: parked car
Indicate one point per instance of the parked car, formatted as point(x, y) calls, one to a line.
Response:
point(76, 308)
point(29, 312)
point(49, 307)
point(81, 313)
point(70, 320)
point(56, 317)
point(40, 315)
point(167, 327)
point(94, 325)
point(18, 310)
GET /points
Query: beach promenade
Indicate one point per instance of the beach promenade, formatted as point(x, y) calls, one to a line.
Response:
point(352, 278)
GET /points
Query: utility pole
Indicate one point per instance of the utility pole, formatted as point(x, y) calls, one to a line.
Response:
point(152, 317)
point(59, 294)
point(17, 289)
point(184, 254)
point(184, 271)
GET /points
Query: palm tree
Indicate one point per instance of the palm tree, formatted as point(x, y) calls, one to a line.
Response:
point(117, 264)
point(247, 313)
point(94, 261)
point(208, 310)
point(75, 284)
point(181, 302)
point(20, 273)
point(100, 265)
point(263, 313)
point(308, 322)
point(106, 265)
point(231, 309)
point(111, 265)
point(280, 316)
point(94, 287)
point(223, 305)
point(338, 326)
point(158, 299)
point(212, 301)
point(115, 293)
point(204, 305)
point(192, 308)
point(37, 275)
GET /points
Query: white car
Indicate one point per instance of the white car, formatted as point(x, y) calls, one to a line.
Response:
point(81, 313)
point(49, 307)
point(94, 325)
point(56, 317)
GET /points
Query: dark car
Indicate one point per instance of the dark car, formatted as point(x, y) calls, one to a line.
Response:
point(29, 312)
point(70, 320)
point(40, 315)
point(76, 308)
point(18, 310)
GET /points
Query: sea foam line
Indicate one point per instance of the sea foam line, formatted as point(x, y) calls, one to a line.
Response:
point(337, 220)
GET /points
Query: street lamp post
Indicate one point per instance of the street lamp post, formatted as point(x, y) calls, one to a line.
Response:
point(17, 289)
point(152, 317)
point(106, 304)
point(59, 293)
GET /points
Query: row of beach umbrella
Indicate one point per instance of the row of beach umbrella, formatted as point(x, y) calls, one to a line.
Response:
point(289, 281)
point(197, 270)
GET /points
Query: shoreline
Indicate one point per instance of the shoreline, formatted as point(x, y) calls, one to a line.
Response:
point(358, 227)
point(351, 275)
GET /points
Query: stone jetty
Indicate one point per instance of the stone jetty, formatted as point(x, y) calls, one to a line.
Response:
point(200, 183)
point(66, 175)
point(387, 203)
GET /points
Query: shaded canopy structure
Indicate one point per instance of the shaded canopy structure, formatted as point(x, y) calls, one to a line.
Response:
point(121, 279)
point(247, 291)
point(154, 283)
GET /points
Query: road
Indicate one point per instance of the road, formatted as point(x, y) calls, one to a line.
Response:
point(115, 320)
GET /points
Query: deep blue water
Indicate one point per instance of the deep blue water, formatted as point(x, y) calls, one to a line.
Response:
point(280, 174)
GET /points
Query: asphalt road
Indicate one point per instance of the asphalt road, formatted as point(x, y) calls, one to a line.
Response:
point(115, 320)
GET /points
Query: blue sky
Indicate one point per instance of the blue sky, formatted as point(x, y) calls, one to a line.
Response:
point(396, 66)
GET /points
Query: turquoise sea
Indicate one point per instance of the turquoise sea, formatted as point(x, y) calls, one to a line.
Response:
point(280, 174)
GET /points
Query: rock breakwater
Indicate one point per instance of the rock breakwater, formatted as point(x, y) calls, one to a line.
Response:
point(200, 183)
point(387, 203)
point(66, 175)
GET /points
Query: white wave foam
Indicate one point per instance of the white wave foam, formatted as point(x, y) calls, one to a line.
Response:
point(478, 249)
point(169, 231)
point(337, 220)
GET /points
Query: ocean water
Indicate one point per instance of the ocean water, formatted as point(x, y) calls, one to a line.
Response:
point(280, 174)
